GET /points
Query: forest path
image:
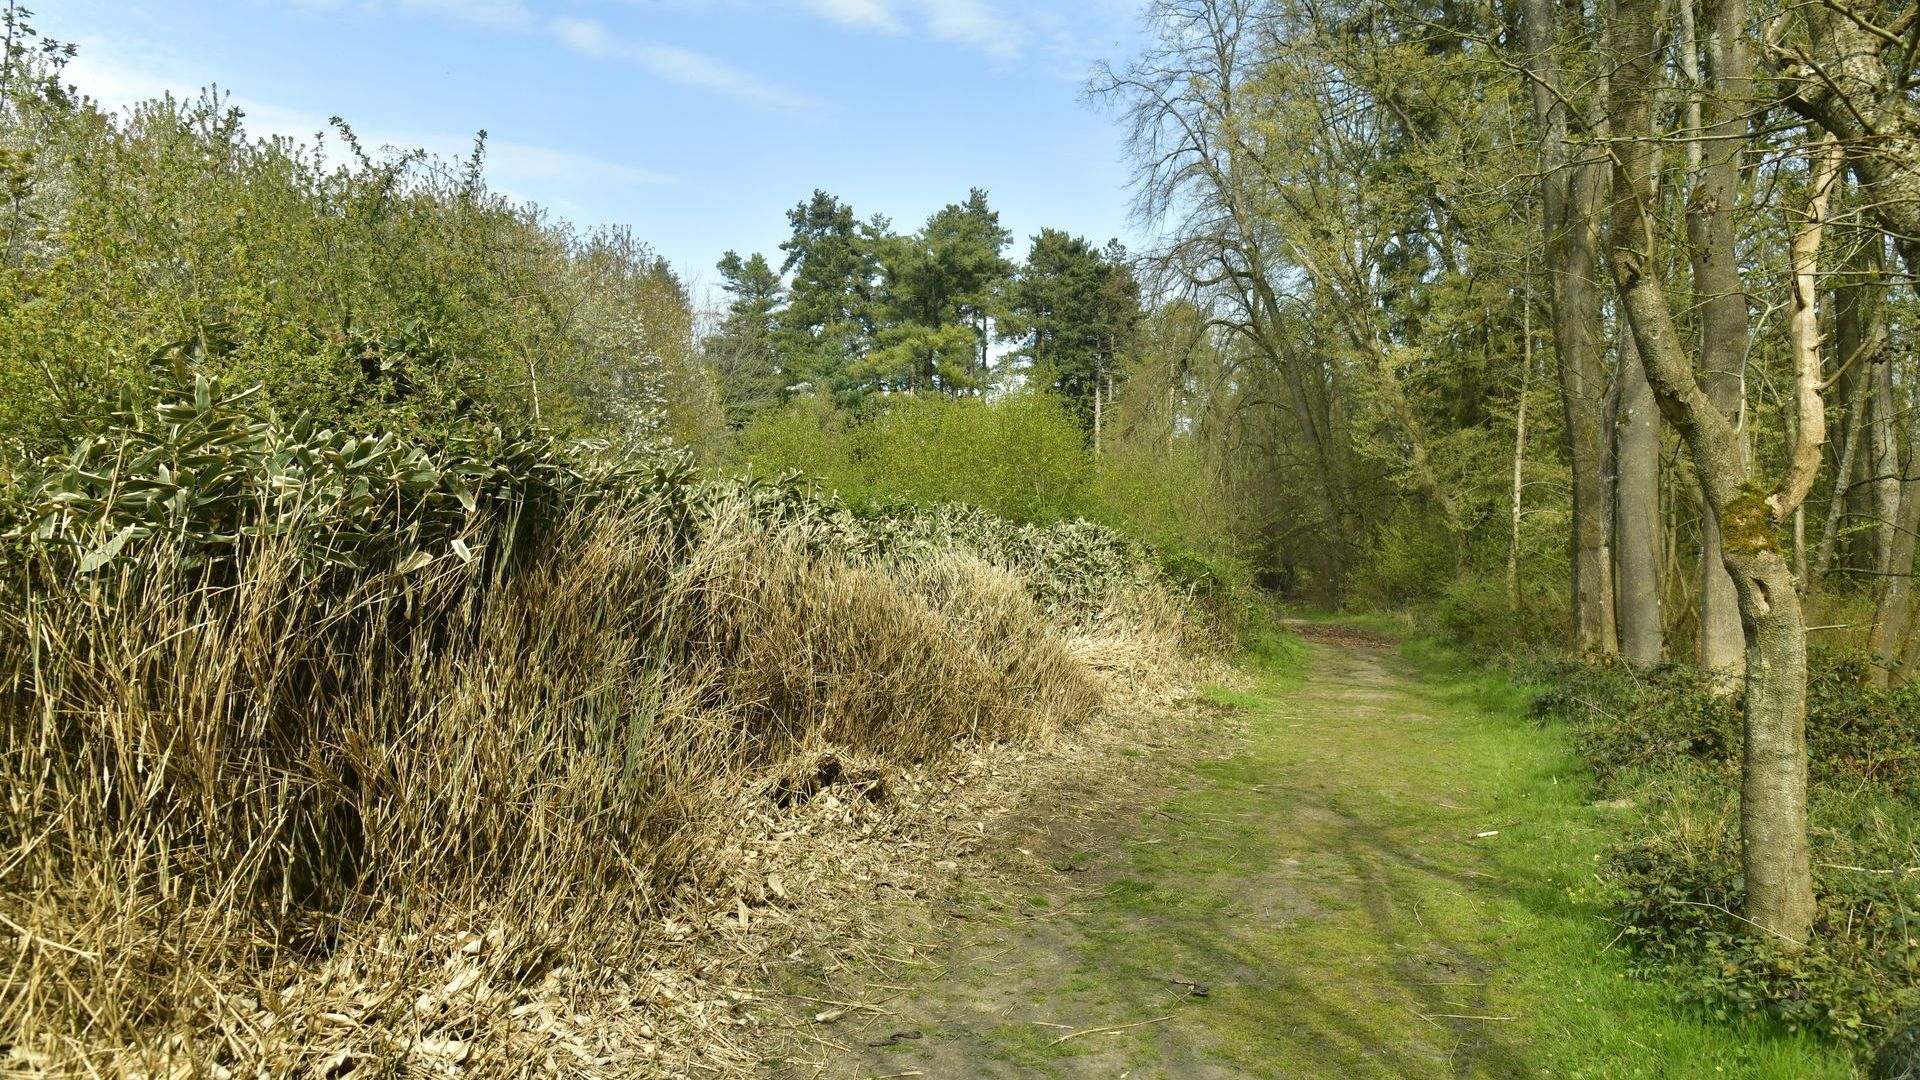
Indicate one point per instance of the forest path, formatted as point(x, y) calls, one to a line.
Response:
point(1377, 872)
point(1310, 883)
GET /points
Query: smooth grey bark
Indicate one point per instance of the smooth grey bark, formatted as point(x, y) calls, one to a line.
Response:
point(1773, 806)
point(1852, 499)
point(1520, 449)
point(1637, 525)
point(1893, 612)
point(1719, 294)
point(1573, 192)
point(1884, 483)
point(1866, 487)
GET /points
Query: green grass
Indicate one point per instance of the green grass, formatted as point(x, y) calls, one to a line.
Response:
point(1323, 872)
point(1583, 1014)
point(1327, 881)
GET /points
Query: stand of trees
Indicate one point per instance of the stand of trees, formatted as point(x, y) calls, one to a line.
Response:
point(1399, 226)
point(857, 310)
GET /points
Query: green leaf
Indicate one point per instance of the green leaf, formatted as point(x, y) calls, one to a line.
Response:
point(104, 553)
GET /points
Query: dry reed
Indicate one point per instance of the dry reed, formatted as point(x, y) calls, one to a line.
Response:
point(267, 819)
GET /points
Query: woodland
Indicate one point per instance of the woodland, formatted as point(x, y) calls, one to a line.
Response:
point(383, 560)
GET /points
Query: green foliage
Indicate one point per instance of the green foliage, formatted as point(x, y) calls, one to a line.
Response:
point(386, 293)
point(1477, 611)
point(1074, 568)
point(744, 352)
point(207, 473)
point(1666, 737)
point(1411, 560)
point(869, 310)
point(1167, 492)
point(1678, 885)
point(835, 266)
point(942, 286)
point(1076, 312)
point(1630, 721)
point(1272, 652)
point(1021, 456)
point(1859, 733)
point(808, 436)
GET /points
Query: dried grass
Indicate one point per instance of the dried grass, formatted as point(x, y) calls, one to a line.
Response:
point(534, 814)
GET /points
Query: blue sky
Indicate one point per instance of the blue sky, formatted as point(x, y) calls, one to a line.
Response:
point(697, 122)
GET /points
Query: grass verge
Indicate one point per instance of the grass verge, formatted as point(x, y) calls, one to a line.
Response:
point(1565, 971)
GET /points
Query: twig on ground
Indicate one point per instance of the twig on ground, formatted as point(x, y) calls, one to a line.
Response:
point(1110, 1030)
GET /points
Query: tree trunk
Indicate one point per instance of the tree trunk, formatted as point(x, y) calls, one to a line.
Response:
point(1883, 440)
point(1096, 415)
point(1719, 293)
point(1520, 447)
point(1852, 500)
point(1636, 544)
point(1871, 487)
point(1573, 189)
point(1773, 801)
point(1856, 429)
point(1892, 613)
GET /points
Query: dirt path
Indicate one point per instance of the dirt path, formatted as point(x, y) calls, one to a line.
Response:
point(1307, 903)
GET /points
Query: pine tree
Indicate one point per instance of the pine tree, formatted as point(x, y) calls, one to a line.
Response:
point(834, 261)
point(1076, 311)
point(945, 287)
point(745, 350)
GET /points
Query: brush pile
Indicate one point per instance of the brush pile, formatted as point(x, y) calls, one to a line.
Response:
point(329, 756)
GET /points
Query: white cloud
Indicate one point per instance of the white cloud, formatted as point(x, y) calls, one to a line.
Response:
point(589, 37)
point(501, 14)
point(865, 14)
point(584, 36)
point(975, 24)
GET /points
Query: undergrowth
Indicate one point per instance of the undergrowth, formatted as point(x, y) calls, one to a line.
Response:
point(287, 710)
point(1665, 740)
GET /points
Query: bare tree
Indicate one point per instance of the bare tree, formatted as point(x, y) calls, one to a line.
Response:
point(1182, 102)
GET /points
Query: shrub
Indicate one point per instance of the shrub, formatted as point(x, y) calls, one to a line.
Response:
point(1678, 886)
point(272, 692)
point(1021, 457)
point(1628, 720)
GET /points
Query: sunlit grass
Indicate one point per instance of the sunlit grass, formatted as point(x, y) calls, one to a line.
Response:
point(1397, 922)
